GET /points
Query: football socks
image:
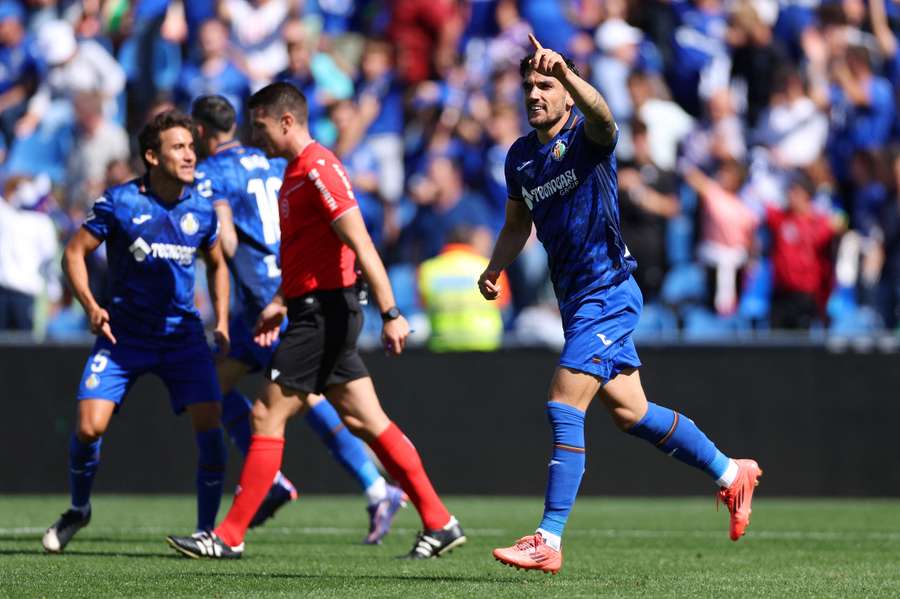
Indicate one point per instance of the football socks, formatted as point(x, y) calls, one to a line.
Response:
point(565, 470)
point(402, 461)
point(262, 462)
point(211, 456)
point(84, 458)
point(677, 435)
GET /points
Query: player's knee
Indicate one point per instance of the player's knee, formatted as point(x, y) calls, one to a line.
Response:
point(625, 418)
point(356, 426)
point(262, 419)
point(90, 430)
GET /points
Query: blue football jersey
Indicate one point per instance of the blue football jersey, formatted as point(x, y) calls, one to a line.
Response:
point(151, 247)
point(569, 184)
point(249, 182)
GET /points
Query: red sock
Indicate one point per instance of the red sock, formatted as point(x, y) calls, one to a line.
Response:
point(260, 466)
point(401, 459)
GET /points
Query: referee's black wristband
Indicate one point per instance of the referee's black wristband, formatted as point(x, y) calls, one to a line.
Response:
point(391, 313)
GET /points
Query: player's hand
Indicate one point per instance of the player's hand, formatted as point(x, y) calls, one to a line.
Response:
point(99, 319)
point(394, 334)
point(487, 285)
point(268, 325)
point(547, 62)
point(223, 343)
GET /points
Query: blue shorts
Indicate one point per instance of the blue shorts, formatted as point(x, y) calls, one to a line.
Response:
point(243, 348)
point(598, 331)
point(186, 368)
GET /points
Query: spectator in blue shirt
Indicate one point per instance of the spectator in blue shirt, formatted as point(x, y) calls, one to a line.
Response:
point(18, 66)
point(215, 74)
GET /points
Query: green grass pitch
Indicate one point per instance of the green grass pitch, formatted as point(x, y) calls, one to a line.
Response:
point(613, 547)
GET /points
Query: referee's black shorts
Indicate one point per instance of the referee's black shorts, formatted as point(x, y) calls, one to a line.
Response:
point(318, 349)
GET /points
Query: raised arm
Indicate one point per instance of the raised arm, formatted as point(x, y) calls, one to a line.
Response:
point(599, 124)
point(515, 232)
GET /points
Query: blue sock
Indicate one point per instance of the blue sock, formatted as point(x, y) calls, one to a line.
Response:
point(236, 418)
point(566, 465)
point(678, 436)
point(344, 446)
point(84, 458)
point(211, 454)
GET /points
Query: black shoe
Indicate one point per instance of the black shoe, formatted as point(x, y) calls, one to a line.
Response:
point(204, 544)
point(435, 543)
point(58, 536)
point(275, 498)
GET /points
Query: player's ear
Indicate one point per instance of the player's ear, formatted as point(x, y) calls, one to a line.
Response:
point(151, 157)
point(287, 121)
point(570, 103)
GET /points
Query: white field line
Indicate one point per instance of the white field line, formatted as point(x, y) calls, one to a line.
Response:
point(609, 533)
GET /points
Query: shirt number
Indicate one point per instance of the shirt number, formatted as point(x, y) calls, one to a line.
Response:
point(272, 269)
point(266, 193)
point(98, 364)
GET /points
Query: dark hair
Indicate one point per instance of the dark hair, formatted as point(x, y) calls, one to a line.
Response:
point(278, 98)
point(525, 65)
point(214, 112)
point(149, 137)
point(804, 182)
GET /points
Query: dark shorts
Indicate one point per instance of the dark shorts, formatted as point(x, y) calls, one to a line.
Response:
point(318, 349)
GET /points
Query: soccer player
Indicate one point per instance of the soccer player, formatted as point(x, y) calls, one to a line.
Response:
point(153, 228)
point(243, 185)
point(322, 234)
point(562, 178)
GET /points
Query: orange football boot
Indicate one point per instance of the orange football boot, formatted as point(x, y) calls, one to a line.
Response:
point(530, 553)
point(739, 495)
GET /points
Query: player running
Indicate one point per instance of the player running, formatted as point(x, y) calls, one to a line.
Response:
point(243, 185)
point(322, 235)
point(153, 228)
point(562, 177)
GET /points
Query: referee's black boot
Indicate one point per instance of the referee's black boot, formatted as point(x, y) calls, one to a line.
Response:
point(435, 543)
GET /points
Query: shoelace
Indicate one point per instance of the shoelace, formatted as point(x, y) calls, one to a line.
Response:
point(527, 543)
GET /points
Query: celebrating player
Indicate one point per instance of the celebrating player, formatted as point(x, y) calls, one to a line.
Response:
point(562, 177)
point(243, 185)
point(153, 227)
point(322, 235)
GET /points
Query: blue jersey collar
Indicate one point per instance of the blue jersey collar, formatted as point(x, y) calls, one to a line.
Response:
point(144, 187)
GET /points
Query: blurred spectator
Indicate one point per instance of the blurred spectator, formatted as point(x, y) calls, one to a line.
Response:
point(503, 130)
point(256, 26)
point(460, 319)
point(426, 34)
point(800, 237)
point(18, 66)
point(99, 142)
point(727, 226)
point(317, 75)
point(667, 123)
point(214, 73)
point(380, 101)
point(442, 204)
point(792, 127)
point(647, 200)
point(618, 42)
point(73, 66)
point(27, 245)
point(889, 284)
point(719, 136)
point(701, 62)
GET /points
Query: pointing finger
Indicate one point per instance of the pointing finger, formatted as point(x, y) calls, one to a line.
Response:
point(537, 45)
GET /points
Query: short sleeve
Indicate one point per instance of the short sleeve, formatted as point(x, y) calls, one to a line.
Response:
point(513, 187)
point(335, 196)
point(101, 218)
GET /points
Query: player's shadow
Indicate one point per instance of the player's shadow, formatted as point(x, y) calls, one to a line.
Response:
point(343, 577)
point(92, 554)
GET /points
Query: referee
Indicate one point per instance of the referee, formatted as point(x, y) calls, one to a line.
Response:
point(322, 236)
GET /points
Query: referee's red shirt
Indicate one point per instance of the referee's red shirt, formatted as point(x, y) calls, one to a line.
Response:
point(315, 192)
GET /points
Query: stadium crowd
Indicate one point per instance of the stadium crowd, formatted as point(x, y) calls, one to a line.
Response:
point(759, 164)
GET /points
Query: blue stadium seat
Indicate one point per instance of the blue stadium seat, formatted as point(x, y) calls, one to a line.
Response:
point(684, 283)
point(656, 321)
point(700, 324)
point(756, 297)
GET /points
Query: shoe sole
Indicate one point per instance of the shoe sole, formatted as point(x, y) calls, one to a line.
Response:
point(518, 567)
point(453, 545)
point(181, 550)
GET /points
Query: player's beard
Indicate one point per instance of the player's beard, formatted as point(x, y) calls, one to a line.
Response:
point(546, 119)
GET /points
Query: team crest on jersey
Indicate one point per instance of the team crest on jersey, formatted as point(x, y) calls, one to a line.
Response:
point(92, 382)
point(189, 224)
point(558, 151)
